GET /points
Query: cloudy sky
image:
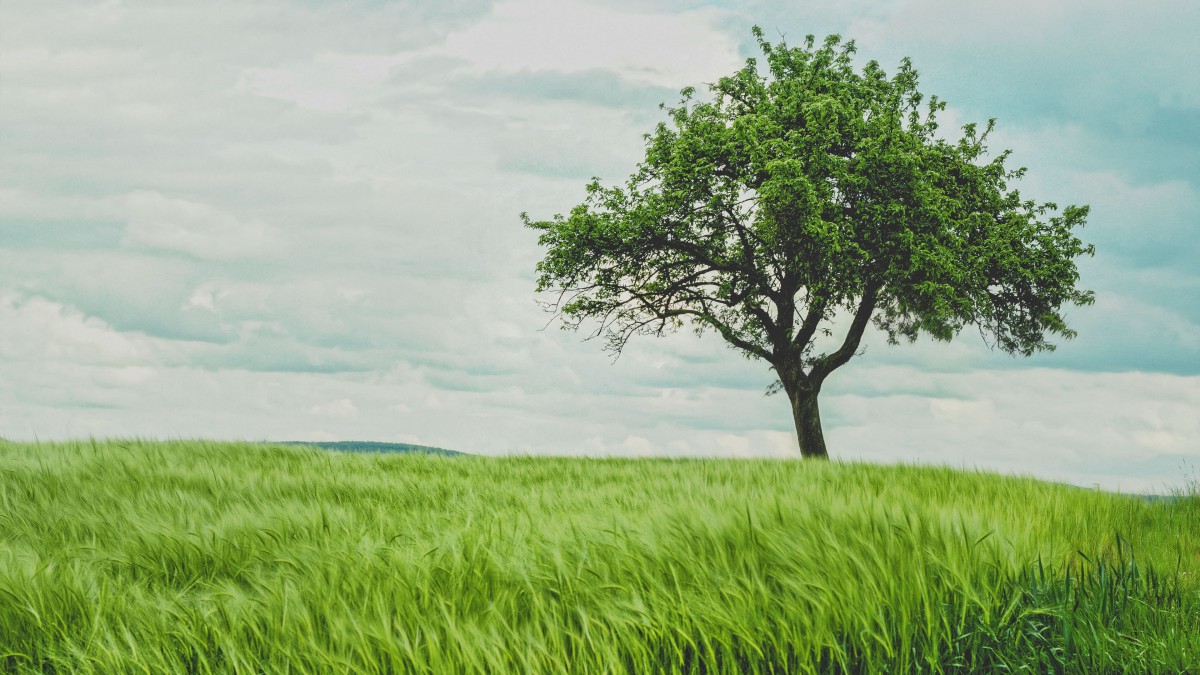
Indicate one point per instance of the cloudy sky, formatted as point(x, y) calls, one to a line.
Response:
point(299, 220)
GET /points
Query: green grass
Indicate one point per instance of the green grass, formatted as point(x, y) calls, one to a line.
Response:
point(146, 557)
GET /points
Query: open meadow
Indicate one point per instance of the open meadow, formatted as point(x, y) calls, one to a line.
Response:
point(206, 557)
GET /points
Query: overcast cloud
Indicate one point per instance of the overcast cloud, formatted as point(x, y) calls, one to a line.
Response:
point(298, 220)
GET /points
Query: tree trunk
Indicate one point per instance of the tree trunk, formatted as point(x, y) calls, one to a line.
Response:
point(808, 422)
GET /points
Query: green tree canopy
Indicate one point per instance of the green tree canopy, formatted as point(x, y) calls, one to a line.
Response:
point(811, 199)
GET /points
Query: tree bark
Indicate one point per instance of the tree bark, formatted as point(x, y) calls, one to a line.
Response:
point(808, 422)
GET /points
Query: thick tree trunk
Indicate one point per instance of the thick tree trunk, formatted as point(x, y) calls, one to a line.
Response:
point(808, 422)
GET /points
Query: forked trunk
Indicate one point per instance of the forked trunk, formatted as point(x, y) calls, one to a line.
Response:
point(808, 422)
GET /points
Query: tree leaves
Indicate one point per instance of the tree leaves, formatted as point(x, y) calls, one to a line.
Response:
point(805, 191)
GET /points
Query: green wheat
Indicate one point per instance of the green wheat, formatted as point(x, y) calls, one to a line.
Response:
point(204, 557)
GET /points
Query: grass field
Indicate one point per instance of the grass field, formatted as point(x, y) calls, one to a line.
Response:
point(147, 557)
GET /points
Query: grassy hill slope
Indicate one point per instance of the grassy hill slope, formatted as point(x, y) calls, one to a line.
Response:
point(130, 556)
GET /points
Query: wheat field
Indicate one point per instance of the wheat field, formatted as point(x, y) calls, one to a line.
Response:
point(133, 556)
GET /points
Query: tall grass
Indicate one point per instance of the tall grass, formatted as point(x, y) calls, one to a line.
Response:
point(131, 556)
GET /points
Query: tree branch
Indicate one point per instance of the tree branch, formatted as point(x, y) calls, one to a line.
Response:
point(727, 333)
point(812, 320)
point(830, 362)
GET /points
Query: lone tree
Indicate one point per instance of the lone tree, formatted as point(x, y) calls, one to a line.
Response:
point(805, 203)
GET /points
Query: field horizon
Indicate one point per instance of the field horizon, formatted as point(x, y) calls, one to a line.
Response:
point(371, 446)
point(202, 556)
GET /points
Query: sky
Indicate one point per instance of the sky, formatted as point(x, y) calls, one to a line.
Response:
point(300, 221)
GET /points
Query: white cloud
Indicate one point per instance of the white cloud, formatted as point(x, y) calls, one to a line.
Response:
point(342, 408)
point(321, 436)
point(23, 204)
point(205, 297)
point(174, 224)
point(638, 445)
point(125, 377)
point(956, 412)
point(329, 82)
point(666, 49)
point(1076, 427)
point(36, 329)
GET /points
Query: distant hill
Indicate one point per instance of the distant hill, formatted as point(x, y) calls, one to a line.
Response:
point(369, 446)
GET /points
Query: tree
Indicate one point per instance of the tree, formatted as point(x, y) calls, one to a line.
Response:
point(808, 199)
